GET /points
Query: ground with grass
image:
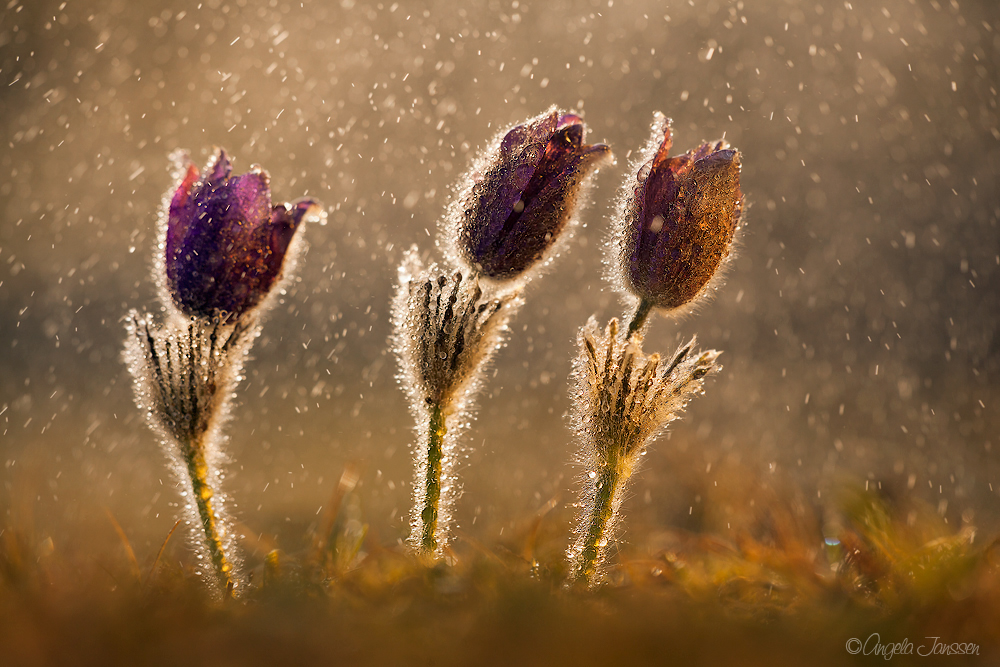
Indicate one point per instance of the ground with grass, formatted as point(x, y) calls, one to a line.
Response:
point(781, 593)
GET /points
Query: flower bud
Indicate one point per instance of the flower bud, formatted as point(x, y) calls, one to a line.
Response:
point(225, 245)
point(522, 195)
point(679, 219)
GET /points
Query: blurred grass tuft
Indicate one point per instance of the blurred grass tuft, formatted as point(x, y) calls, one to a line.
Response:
point(784, 586)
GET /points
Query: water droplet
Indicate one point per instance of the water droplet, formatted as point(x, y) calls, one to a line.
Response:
point(644, 172)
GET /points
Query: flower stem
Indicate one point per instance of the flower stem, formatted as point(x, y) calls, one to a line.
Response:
point(198, 472)
point(609, 480)
point(432, 480)
point(642, 312)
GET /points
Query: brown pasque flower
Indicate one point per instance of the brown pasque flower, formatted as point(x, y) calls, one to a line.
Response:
point(680, 215)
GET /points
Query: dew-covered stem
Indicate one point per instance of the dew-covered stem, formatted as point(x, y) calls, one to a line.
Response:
point(623, 399)
point(447, 327)
point(642, 312)
point(608, 482)
point(186, 373)
point(432, 479)
point(197, 469)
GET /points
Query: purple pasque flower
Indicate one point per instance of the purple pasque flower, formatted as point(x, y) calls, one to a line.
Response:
point(225, 243)
point(679, 219)
point(524, 194)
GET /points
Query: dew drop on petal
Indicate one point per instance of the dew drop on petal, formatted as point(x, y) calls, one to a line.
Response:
point(644, 172)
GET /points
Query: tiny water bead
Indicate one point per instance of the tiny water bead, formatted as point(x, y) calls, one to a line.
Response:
point(643, 172)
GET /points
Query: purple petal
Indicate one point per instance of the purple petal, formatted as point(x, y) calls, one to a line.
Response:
point(248, 199)
point(179, 214)
point(225, 245)
point(219, 168)
point(530, 232)
point(513, 139)
point(569, 119)
point(285, 221)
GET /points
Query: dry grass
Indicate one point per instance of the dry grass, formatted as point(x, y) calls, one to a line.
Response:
point(774, 594)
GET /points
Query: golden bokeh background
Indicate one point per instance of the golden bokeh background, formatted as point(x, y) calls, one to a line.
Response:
point(859, 320)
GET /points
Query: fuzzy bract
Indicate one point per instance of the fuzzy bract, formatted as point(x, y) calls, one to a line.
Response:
point(447, 328)
point(622, 398)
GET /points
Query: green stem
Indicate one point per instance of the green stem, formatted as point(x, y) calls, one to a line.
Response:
point(642, 312)
point(198, 472)
point(432, 481)
point(609, 479)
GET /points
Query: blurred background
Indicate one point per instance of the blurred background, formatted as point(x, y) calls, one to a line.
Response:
point(859, 320)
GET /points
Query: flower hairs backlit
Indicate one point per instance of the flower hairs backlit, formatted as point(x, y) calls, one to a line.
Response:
point(224, 251)
point(622, 400)
point(510, 213)
point(447, 330)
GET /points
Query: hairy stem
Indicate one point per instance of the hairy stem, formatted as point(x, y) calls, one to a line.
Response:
point(198, 472)
point(642, 312)
point(432, 480)
point(609, 480)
